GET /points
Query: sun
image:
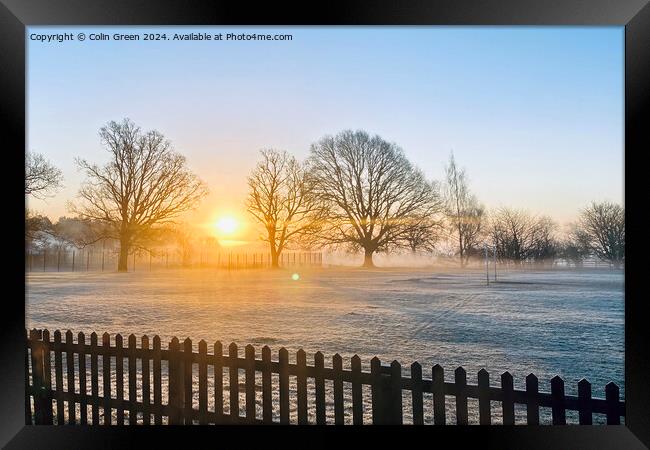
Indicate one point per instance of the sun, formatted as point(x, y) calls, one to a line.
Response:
point(227, 225)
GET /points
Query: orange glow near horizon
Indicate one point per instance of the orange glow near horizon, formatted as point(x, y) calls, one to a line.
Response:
point(230, 230)
point(227, 225)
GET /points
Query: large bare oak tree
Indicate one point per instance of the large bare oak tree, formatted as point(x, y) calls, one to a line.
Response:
point(280, 199)
point(369, 192)
point(145, 184)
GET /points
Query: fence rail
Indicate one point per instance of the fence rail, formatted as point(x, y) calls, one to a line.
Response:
point(184, 375)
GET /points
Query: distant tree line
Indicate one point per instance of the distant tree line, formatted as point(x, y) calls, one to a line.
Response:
point(354, 191)
point(360, 193)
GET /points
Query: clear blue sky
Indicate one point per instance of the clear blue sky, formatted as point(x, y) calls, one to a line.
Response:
point(534, 114)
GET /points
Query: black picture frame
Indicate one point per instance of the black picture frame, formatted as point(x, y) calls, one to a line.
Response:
point(15, 15)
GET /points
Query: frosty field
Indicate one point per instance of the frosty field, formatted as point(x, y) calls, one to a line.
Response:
point(552, 322)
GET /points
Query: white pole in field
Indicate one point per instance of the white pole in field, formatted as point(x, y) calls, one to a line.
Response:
point(495, 263)
point(487, 266)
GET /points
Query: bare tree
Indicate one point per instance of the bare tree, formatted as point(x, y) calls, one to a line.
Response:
point(604, 227)
point(464, 212)
point(185, 239)
point(38, 228)
point(575, 247)
point(144, 185)
point(519, 236)
point(281, 199)
point(423, 235)
point(369, 192)
point(42, 178)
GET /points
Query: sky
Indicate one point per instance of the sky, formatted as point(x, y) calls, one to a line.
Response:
point(534, 114)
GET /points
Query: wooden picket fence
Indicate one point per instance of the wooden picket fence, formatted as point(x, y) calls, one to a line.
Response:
point(79, 394)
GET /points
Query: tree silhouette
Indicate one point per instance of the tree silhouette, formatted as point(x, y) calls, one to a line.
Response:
point(368, 191)
point(463, 210)
point(281, 199)
point(144, 185)
point(41, 176)
point(604, 227)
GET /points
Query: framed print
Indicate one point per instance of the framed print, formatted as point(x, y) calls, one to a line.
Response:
point(408, 216)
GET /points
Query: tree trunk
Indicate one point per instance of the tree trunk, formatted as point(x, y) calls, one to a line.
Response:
point(124, 254)
point(275, 258)
point(367, 259)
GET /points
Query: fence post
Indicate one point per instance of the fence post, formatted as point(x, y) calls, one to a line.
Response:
point(69, 362)
point(218, 381)
point(396, 393)
point(532, 400)
point(157, 380)
point(83, 391)
point(187, 381)
point(233, 381)
point(94, 377)
point(44, 258)
point(485, 417)
point(557, 395)
point(584, 402)
point(174, 400)
point(438, 383)
point(28, 405)
point(611, 396)
point(319, 381)
point(461, 396)
point(337, 368)
point(267, 399)
point(37, 377)
point(106, 368)
point(47, 378)
point(301, 386)
point(508, 405)
point(203, 382)
point(357, 398)
point(416, 392)
point(249, 352)
point(133, 397)
point(119, 376)
point(283, 364)
point(73, 254)
point(146, 381)
point(376, 391)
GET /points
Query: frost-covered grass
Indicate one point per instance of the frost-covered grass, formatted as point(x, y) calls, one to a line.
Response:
point(565, 322)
